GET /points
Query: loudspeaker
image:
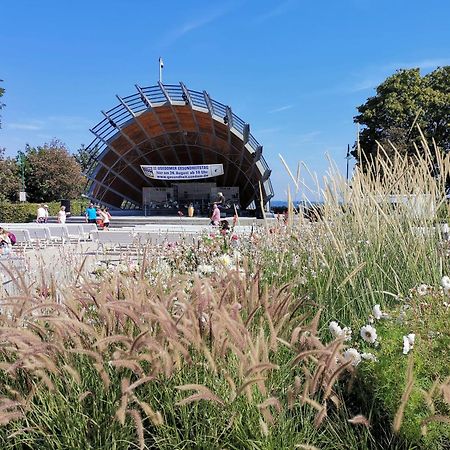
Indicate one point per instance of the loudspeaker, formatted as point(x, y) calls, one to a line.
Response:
point(66, 203)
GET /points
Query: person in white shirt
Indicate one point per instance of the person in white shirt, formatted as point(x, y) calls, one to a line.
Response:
point(105, 216)
point(61, 217)
point(42, 214)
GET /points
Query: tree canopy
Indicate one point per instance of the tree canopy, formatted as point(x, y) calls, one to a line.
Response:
point(51, 173)
point(9, 177)
point(404, 102)
point(2, 91)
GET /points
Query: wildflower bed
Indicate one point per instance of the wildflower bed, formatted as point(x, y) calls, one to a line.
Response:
point(326, 335)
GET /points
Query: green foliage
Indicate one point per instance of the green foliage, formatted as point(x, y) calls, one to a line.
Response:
point(82, 157)
point(51, 173)
point(9, 177)
point(26, 212)
point(403, 100)
point(426, 317)
point(2, 91)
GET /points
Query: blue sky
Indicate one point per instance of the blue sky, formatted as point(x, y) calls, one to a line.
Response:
point(295, 70)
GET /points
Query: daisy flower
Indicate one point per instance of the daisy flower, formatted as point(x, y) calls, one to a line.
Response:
point(369, 357)
point(351, 354)
point(445, 283)
point(368, 333)
point(422, 289)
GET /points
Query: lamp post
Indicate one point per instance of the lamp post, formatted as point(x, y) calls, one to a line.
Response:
point(22, 193)
point(348, 157)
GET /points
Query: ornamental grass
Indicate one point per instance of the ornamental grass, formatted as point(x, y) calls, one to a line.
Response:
point(330, 334)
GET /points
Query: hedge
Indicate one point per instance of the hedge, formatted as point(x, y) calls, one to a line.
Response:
point(26, 212)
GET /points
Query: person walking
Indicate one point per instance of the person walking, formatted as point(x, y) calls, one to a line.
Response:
point(215, 217)
point(105, 216)
point(91, 214)
point(61, 216)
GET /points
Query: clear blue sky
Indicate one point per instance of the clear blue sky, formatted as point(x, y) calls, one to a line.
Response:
point(295, 70)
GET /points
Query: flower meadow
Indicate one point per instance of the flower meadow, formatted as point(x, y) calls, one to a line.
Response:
point(331, 335)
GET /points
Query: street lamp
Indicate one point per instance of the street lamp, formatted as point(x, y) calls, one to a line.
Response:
point(21, 160)
point(348, 158)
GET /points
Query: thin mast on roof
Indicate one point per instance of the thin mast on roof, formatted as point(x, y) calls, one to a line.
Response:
point(161, 65)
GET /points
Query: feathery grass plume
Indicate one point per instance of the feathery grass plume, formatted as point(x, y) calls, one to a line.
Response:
point(139, 426)
point(359, 420)
point(155, 416)
point(203, 393)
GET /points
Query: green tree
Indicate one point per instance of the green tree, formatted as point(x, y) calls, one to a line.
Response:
point(51, 173)
point(82, 157)
point(9, 177)
point(402, 101)
point(2, 91)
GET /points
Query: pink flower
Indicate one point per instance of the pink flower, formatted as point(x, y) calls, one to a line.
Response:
point(234, 237)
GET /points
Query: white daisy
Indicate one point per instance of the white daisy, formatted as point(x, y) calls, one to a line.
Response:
point(368, 333)
point(337, 332)
point(205, 269)
point(422, 289)
point(335, 329)
point(369, 357)
point(406, 345)
point(347, 333)
point(225, 260)
point(378, 314)
point(351, 354)
point(445, 283)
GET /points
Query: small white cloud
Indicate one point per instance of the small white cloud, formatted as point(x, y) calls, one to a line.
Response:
point(267, 130)
point(281, 108)
point(30, 126)
point(176, 33)
point(307, 137)
point(279, 10)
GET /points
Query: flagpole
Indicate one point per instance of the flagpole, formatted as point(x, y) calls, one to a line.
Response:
point(161, 65)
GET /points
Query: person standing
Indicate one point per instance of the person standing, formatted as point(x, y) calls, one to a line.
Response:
point(215, 217)
point(61, 217)
point(41, 214)
point(91, 214)
point(220, 200)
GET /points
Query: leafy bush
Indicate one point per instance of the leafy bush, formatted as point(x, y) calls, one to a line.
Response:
point(26, 212)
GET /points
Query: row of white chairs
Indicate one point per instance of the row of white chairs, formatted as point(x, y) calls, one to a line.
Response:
point(30, 234)
point(132, 239)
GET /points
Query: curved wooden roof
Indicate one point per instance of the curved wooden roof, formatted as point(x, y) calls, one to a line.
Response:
point(172, 125)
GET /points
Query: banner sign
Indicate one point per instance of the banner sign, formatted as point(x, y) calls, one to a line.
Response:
point(183, 172)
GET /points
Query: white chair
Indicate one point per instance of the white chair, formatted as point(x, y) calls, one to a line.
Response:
point(88, 229)
point(59, 233)
point(113, 240)
point(75, 232)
